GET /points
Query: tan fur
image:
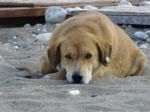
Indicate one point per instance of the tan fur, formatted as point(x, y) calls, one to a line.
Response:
point(86, 31)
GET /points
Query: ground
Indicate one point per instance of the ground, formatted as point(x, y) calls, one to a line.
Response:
point(18, 47)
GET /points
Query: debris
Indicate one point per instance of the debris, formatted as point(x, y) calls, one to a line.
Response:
point(55, 14)
point(140, 35)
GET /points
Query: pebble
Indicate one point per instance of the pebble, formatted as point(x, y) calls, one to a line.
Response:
point(34, 35)
point(143, 46)
point(27, 25)
point(55, 14)
point(124, 3)
point(90, 7)
point(147, 32)
point(44, 37)
point(16, 47)
point(74, 92)
point(38, 29)
point(144, 3)
point(44, 30)
point(140, 35)
point(14, 37)
point(46, 77)
point(74, 9)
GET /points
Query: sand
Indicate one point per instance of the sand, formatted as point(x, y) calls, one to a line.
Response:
point(17, 94)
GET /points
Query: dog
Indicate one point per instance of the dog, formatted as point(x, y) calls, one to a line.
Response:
point(90, 45)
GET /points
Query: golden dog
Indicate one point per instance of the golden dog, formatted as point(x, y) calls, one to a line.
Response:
point(89, 45)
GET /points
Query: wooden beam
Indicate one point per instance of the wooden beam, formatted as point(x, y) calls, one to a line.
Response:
point(35, 9)
point(63, 4)
point(22, 12)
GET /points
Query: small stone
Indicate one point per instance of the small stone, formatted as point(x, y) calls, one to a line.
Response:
point(38, 29)
point(44, 37)
point(55, 14)
point(144, 3)
point(139, 35)
point(74, 9)
point(90, 7)
point(14, 37)
point(124, 3)
point(143, 46)
point(27, 25)
point(44, 30)
point(46, 77)
point(16, 47)
point(34, 35)
point(74, 92)
point(147, 32)
point(69, 9)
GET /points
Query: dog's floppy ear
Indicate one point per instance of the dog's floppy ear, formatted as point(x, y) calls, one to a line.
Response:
point(54, 54)
point(104, 53)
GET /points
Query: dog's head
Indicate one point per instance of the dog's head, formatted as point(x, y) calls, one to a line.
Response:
point(81, 56)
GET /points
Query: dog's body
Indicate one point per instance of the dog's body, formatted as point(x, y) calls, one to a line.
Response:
point(90, 44)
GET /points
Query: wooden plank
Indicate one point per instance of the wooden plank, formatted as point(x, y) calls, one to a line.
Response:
point(20, 9)
point(71, 3)
point(59, 1)
point(11, 4)
point(33, 10)
point(22, 12)
point(53, 1)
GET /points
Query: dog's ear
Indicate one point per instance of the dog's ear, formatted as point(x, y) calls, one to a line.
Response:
point(54, 55)
point(104, 53)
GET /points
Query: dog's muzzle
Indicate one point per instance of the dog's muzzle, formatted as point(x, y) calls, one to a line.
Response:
point(77, 78)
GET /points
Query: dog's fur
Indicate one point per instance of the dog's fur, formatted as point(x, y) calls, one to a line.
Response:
point(90, 45)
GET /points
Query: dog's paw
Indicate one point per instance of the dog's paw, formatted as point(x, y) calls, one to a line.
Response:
point(57, 76)
point(28, 75)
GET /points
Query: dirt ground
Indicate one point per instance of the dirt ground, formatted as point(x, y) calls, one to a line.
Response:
point(18, 47)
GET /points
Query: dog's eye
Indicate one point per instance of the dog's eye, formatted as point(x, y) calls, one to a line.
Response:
point(68, 56)
point(88, 56)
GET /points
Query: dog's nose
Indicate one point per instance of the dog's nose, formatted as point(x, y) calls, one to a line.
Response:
point(77, 78)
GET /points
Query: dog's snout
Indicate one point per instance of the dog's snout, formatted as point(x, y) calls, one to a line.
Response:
point(77, 78)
